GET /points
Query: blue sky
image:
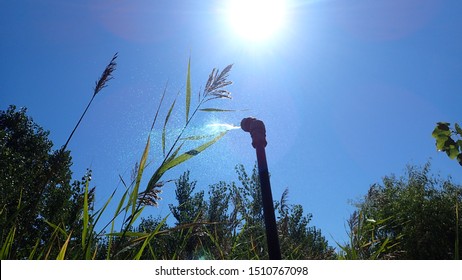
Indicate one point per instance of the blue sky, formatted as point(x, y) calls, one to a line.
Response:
point(349, 90)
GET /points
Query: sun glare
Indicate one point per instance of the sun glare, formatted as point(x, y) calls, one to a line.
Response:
point(256, 20)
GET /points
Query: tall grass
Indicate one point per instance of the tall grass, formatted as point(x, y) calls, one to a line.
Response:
point(239, 235)
point(8, 242)
point(136, 201)
point(365, 243)
point(101, 83)
point(120, 240)
point(456, 242)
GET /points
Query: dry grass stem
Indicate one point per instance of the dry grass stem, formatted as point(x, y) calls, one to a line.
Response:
point(100, 84)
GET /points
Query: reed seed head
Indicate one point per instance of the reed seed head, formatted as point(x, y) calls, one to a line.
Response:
point(106, 76)
point(151, 196)
point(216, 83)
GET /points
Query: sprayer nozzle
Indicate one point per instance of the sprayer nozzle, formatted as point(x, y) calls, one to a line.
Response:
point(246, 123)
point(257, 131)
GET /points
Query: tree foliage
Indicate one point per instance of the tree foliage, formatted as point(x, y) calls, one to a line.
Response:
point(43, 214)
point(35, 185)
point(449, 140)
point(412, 217)
point(228, 224)
point(49, 188)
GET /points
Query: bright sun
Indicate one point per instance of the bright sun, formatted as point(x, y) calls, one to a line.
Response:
point(256, 20)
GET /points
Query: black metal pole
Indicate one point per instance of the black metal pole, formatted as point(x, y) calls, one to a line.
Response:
point(258, 132)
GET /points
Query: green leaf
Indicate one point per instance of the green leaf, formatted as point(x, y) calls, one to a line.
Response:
point(381, 249)
point(458, 129)
point(101, 211)
point(55, 227)
point(165, 125)
point(7, 244)
point(189, 154)
point(62, 252)
point(34, 249)
point(149, 238)
point(215, 110)
point(180, 159)
point(134, 195)
point(121, 203)
point(128, 234)
point(440, 142)
point(156, 176)
point(98, 215)
point(197, 137)
point(453, 152)
point(443, 125)
point(158, 108)
point(173, 155)
point(188, 90)
point(116, 213)
point(459, 143)
point(85, 214)
point(441, 130)
point(442, 133)
point(451, 148)
point(134, 217)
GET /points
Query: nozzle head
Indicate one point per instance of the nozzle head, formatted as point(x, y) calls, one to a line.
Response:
point(246, 123)
point(257, 131)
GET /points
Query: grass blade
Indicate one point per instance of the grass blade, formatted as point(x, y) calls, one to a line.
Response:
point(56, 227)
point(134, 195)
point(215, 242)
point(153, 254)
point(121, 203)
point(85, 214)
point(158, 108)
point(98, 214)
point(197, 137)
point(165, 126)
point(62, 252)
point(456, 242)
point(101, 211)
point(149, 238)
point(51, 240)
point(173, 155)
point(34, 249)
point(5, 251)
point(188, 90)
point(138, 235)
point(191, 153)
point(182, 158)
point(116, 213)
point(216, 110)
point(94, 255)
point(155, 178)
point(133, 218)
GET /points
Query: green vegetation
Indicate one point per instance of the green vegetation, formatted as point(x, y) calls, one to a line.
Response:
point(46, 215)
point(412, 217)
point(225, 223)
point(449, 140)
